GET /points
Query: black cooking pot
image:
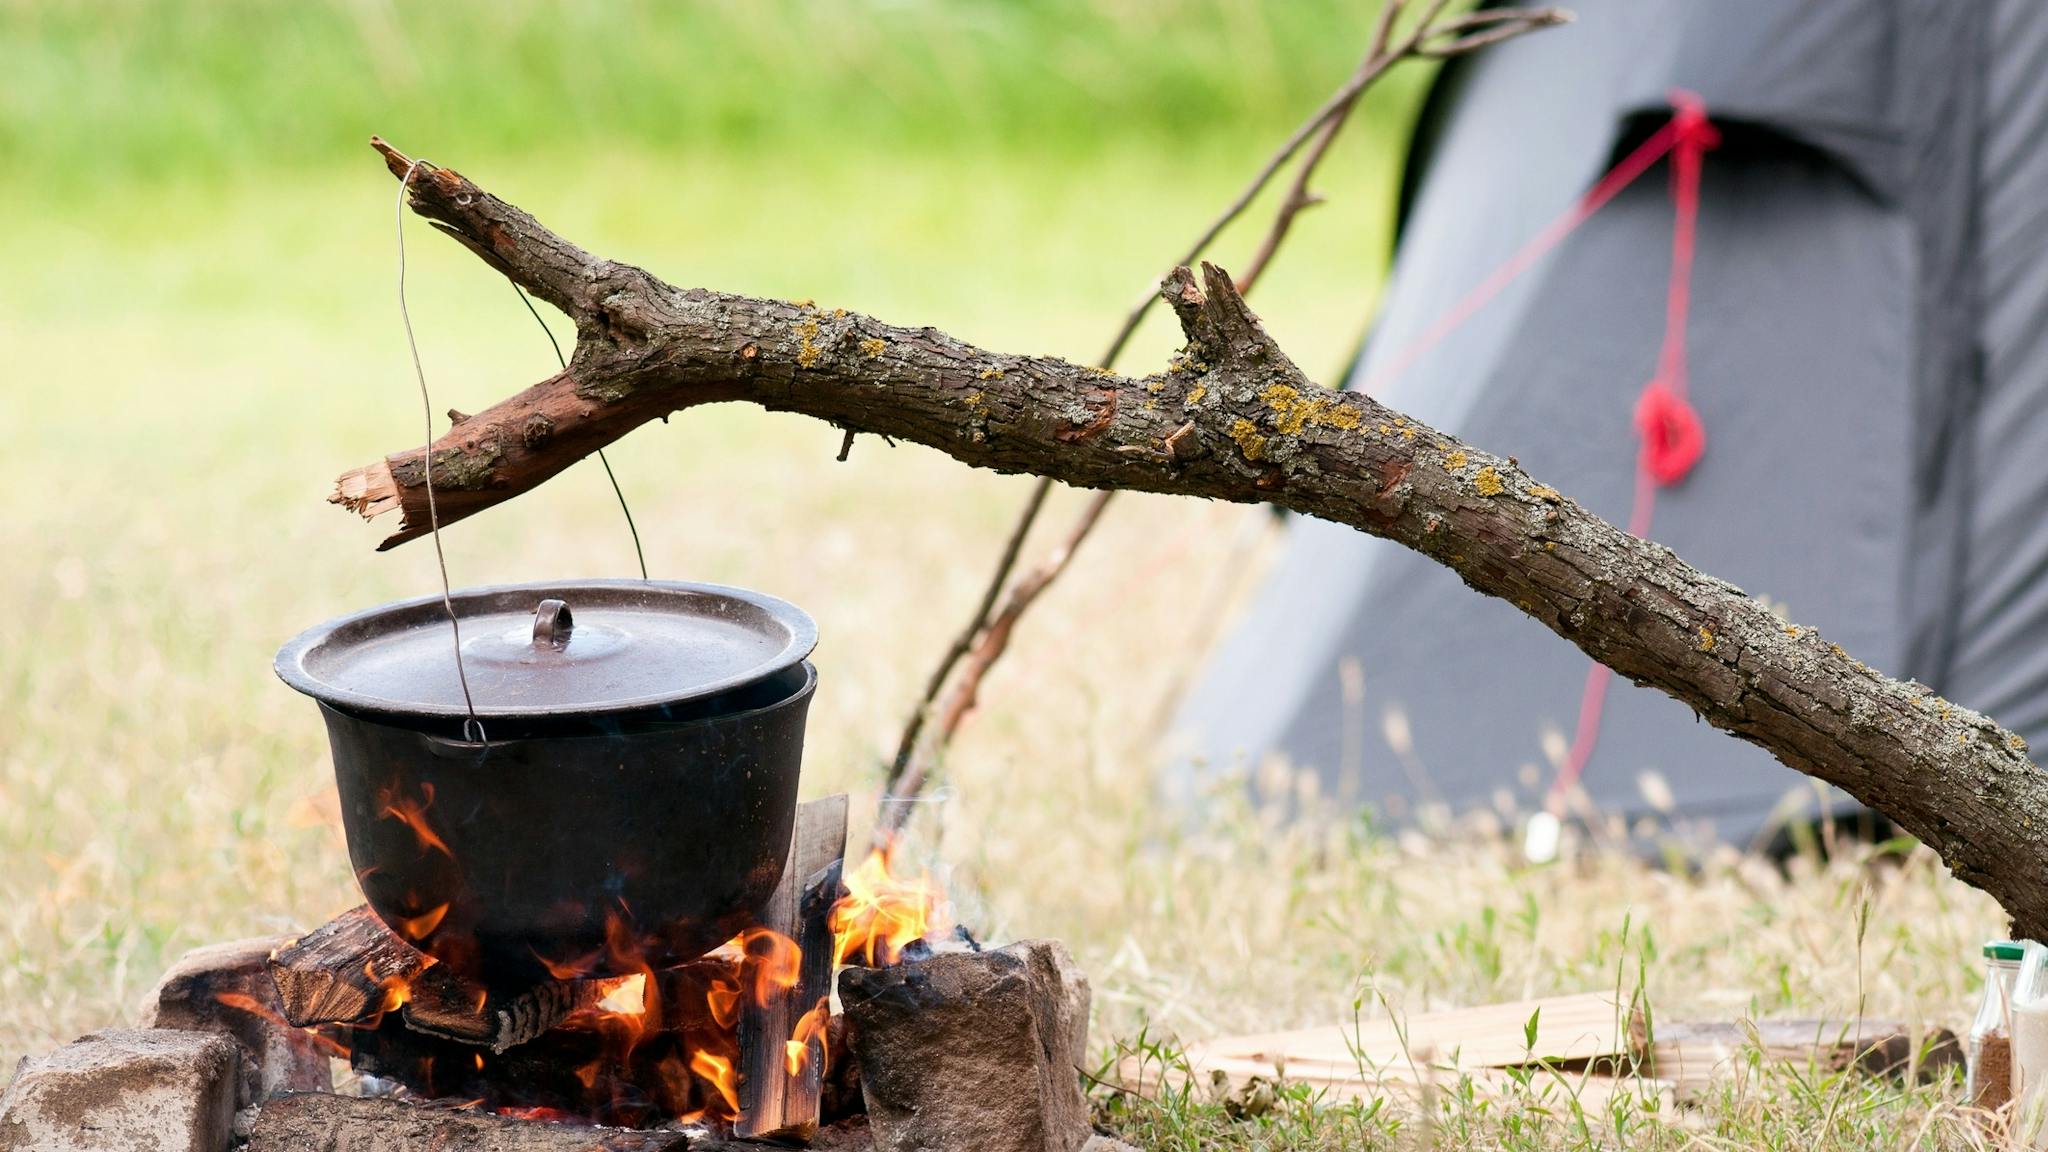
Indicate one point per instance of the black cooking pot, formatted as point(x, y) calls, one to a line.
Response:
point(628, 800)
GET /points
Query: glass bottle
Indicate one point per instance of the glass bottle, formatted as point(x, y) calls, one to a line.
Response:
point(1989, 1048)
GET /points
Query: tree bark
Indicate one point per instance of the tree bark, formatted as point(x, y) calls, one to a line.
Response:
point(1231, 418)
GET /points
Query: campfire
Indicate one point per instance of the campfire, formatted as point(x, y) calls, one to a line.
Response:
point(742, 1037)
point(593, 905)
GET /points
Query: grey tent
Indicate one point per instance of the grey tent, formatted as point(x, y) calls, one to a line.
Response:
point(1868, 353)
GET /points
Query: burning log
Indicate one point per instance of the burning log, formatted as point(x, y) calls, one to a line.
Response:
point(354, 967)
point(320, 1123)
point(344, 970)
point(783, 1046)
point(446, 1005)
point(647, 1054)
point(739, 1034)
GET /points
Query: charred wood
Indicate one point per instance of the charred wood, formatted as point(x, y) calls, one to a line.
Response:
point(628, 1070)
point(447, 1005)
point(343, 970)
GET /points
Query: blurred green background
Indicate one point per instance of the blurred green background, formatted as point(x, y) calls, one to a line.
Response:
point(105, 92)
point(200, 329)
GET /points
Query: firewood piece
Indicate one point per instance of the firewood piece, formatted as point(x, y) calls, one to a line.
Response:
point(227, 988)
point(776, 1103)
point(339, 972)
point(315, 1122)
point(583, 1066)
point(446, 1005)
point(1692, 1055)
point(973, 1050)
point(439, 1002)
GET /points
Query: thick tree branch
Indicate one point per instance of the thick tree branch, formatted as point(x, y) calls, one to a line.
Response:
point(1232, 418)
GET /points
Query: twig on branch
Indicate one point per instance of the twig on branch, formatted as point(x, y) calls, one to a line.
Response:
point(995, 640)
point(982, 637)
point(1489, 26)
point(908, 745)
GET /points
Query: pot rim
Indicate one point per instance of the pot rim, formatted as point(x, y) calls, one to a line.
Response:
point(291, 667)
point(797, 695)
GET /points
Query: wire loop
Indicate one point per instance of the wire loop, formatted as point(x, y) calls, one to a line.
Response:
point(472, 723)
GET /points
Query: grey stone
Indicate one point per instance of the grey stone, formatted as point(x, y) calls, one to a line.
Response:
point(1101, 1143)
point(130, 1090)
point(971, 1050)
point(227, 988)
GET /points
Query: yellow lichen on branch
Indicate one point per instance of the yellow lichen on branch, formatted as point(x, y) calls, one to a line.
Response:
point(808, 352)
point(1249, 440)
point(1295, 413)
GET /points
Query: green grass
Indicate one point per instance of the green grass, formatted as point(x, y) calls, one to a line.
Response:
point(200, 332)
point(114, 89)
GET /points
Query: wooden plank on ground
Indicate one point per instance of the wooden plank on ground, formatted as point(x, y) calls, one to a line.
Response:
point(1693, 1056)
point(1407, 1059)
point(1585, 1035)
point(1569, 1029)
point(1407, 1085)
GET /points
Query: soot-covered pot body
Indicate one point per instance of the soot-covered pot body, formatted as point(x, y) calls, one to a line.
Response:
point(572, 837)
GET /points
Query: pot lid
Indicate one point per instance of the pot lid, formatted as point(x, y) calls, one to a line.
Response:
point(550, 649)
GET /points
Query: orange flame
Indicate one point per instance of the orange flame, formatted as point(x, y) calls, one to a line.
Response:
point(540, 1113)
point(397, 990)
point(251, 1005)
point(396, 806)
point(575, 968)
point(724, 1001)
point(242, 1002)
point(775, 961)
point(719, 1072)
point(626, 1007)
point(810, 1026)
point(624, 996)
point(417, 928)
point(882, 912)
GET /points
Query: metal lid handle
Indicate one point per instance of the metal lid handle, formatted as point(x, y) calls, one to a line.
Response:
point(552, 624)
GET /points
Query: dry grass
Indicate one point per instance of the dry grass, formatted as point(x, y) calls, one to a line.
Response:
point(189, 379)
point(194, 375)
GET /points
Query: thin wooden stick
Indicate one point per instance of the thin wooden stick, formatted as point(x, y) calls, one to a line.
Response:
point(984, 640)
point(1133, 317)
